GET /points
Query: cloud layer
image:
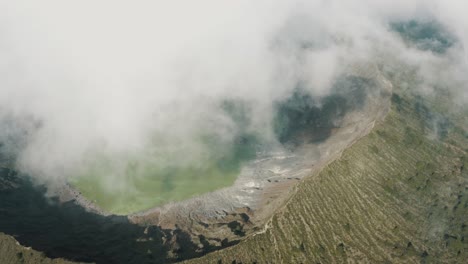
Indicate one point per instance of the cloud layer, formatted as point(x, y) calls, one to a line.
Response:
point(114, 75)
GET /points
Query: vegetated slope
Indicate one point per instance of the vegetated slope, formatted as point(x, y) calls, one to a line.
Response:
point(11, 252)
point(398, 195)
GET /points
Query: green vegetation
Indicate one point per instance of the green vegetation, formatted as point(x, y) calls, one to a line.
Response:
point(425, 35)
point(398, 195)
point(12, 253)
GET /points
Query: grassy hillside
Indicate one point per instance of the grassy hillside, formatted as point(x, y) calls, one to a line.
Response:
point(11, 253)
point(398, 195)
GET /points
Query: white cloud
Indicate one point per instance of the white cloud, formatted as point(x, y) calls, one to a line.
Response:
point(114, 73)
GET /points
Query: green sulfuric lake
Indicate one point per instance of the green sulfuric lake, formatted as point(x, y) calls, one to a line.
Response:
point(128, 185)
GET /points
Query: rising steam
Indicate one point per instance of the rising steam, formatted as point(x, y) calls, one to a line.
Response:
point(88, 78)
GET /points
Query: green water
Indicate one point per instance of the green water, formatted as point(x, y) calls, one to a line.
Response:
point(141, 184)
point(124, 184)
point(156, 187)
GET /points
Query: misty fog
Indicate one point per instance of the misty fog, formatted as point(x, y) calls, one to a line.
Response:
point(150, 79)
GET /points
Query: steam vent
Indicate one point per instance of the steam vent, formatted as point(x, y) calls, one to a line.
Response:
point(243, 132)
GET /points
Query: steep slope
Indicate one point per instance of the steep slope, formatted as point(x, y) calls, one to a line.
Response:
point(12, 252)
point(398, 195)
